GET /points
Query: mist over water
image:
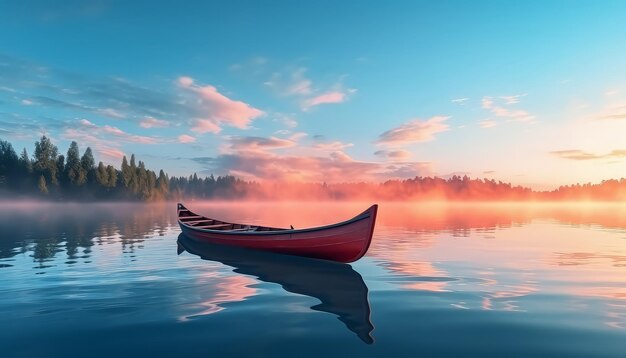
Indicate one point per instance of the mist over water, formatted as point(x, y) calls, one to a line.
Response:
point(448, 279)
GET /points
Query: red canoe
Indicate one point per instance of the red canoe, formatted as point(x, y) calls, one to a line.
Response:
point(346, 241)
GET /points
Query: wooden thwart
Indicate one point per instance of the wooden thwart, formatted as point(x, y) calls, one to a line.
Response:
point(211, 226)
point(199, 221)
point(191, 217)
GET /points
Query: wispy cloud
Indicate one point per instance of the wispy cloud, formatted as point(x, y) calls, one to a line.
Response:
point(286, 119)
point(300, 85)
point(332, 146)
point(499, 108)
point(272, 158)
point(399, 154)
point(336, 167)
point(512, 99)
point(105, 140)
point(460, 101)
point(326, 98)
point(111, 153)
point(110, 112)
point(416, 130)
point(153, 123)
point(199, 106)
point(291, 82)
point(255, 65)
point(17, 126)
point(215, 109)
point(487, 123)
point(614, 112)
point(116, 132)
point(184, 138)
point(79, 95)
point(295, 83)
point(576, 154)
point(245, 144)
point(205, 126)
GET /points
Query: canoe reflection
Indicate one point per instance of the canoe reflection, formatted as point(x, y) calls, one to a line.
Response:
point(340, 289)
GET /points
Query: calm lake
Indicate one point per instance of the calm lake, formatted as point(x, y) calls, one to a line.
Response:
point(113, 280)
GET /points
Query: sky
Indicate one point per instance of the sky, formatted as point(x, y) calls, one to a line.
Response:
point(528, 92)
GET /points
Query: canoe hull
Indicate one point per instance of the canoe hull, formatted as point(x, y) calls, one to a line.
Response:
point(343, 242)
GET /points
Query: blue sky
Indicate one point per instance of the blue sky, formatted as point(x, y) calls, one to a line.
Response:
point(528, 92)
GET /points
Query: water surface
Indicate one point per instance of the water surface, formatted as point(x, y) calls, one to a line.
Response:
point(105, 280)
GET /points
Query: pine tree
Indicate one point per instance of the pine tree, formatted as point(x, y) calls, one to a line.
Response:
point(60, 164)
point(73, 170)
point(134, 178)
point(87, 162)
point(127, 174)
point(143, 188)
point(162, 184)
point(9, 164)
point(102, 175)
point(112, 174)
point(45, 159)
point(25, 163)
point(151, 184)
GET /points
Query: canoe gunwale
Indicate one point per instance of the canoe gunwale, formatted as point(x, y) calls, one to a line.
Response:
point(365, 215)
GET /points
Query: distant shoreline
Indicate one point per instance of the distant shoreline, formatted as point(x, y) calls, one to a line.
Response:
point(217, 201)
point(50, 176)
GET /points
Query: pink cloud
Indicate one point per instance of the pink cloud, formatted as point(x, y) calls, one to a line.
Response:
point(487, 102)
point(337, 167)
point(215, 109)
point(257, 158)
point(184, 138)
point(414, 131)
point(128, 137)
point(87, 123)
point(324, 98)
point(113, 130)
point(235, 113)
point(518, 115)
point(332, 146)
point(105, 140)
point(153, 123)
point(205, 126)
point(294, 82)
point(185, 81)
point(297, 136)
point(105, 148)
point(110, 112)
point(111, 153)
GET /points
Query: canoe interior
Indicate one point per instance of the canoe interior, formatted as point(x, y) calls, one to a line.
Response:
point(194, 220)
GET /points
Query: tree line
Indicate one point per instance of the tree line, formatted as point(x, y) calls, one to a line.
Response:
point(48, 174)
